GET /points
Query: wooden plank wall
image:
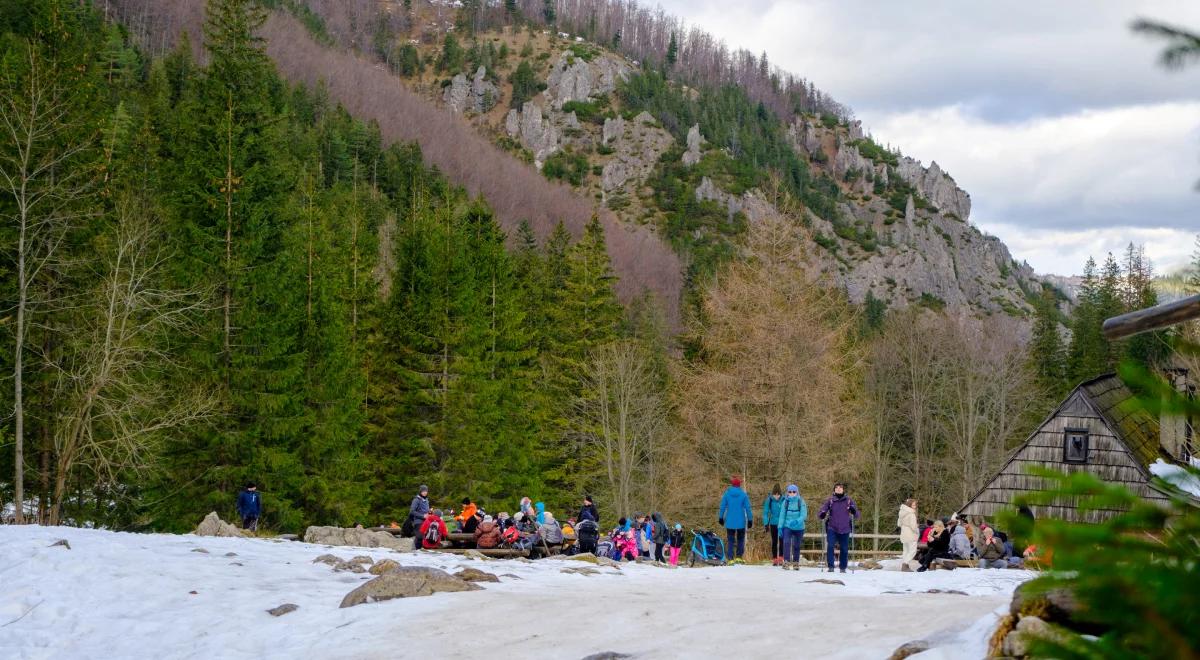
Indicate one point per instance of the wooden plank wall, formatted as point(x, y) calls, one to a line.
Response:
point(1108, 459)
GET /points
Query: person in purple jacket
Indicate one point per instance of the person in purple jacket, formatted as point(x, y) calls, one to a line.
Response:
point(839, 513)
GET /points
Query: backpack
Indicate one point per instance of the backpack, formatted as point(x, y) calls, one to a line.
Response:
point(587, 531)
point(510, 535)
point(433, 535)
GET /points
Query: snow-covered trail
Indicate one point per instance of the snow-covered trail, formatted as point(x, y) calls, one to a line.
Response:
point(115, 595)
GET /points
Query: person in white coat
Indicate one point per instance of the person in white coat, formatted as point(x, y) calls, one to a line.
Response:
point(907, 522)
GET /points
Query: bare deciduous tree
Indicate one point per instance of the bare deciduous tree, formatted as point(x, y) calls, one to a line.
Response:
point(40, 176)
point(624, 416)
point(118, 386)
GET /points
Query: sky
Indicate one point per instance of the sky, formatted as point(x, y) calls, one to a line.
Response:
point(1058, 120)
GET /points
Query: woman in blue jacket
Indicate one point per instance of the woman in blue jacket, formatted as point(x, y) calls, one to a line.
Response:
point(792, 514)
point(736, 516)
point(770, 521)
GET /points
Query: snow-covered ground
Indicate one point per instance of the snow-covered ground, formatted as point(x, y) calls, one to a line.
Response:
point(117, 595)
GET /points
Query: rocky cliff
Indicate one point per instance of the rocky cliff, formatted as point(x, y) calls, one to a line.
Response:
point(901, 232)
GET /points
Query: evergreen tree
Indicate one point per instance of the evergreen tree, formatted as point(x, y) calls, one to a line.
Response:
point(1046, 347)
point(672, 51)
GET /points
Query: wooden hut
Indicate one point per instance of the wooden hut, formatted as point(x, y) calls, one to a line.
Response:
point(1097, 429)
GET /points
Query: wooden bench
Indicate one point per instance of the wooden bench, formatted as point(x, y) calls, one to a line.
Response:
point(488, 552)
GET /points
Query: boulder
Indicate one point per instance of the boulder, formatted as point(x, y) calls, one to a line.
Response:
point(955, 592)
point(200, 550)
point(231, 554)
point(212, 525)
point(362, 538)
point(475, 575)
point(361, 559)
point(1028, 629)
point(406, 582)
point(580, 570)
point(607, 655)
point(332, 560)
point(61, 542)
point(826, 581)
point(283, 609)
point(911, 648)
point(383, 566)
point(870, 565)
point(349, 566)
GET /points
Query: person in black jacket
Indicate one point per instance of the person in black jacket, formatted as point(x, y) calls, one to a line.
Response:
point(588, 511)
point(675, 541)
point(939, 546)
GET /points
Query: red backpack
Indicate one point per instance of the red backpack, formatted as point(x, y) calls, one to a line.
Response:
point(511, 535)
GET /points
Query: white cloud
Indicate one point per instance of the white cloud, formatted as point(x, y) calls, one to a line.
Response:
point(1120, 166)
point(1065, 251)
point(1058, 121)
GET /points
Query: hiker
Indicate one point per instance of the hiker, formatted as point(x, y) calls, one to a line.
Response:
point(467, 513)
point(839, 513)
point(906, 520)
point(658, 535)
point(526, 506)
point(625, 539)
point(550, 531)
point(417, 511)
point(991, 550)
point(249, 507)
point(938, 548)
point(736, 516)
point(926, 532)
point(960, 545)
point(540, 507)
point(587, 535)
point(792, 514)
point(433, 530)
point(676, 542)
point(770, 520)
point(641, 528)
point(487, 534)
point(588, 511)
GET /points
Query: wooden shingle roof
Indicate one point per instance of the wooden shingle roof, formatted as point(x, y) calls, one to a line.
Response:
point(1117, 405)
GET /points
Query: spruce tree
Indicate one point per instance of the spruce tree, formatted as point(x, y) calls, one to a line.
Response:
point(1046, 347)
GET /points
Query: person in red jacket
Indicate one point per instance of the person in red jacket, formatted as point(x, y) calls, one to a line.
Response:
point(433, 530)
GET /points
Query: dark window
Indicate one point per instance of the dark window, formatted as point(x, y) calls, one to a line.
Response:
point(1075, 446)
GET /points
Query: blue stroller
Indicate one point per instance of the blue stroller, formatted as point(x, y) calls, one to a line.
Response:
point(707, 547)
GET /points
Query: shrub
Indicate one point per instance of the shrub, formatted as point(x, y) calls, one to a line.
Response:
point(570, 167)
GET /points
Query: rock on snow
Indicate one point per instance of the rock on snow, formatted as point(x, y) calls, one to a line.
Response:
point(121, 595)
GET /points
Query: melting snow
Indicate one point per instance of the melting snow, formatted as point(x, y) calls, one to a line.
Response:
point(122, 595)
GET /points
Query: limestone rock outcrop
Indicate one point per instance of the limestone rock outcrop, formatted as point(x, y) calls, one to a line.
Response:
point(694, 142)
point(574, 79)
point(637, 146)
point(536, 133)
point(475, 95)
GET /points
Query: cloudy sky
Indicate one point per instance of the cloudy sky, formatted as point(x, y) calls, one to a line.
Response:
point(1054, 116)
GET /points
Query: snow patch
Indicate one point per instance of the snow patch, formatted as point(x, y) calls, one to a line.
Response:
point(123, 595)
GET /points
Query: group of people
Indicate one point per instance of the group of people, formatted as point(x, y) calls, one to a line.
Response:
point(784, 517)
point(532, 528)
point(957, 538)
point(643, 537)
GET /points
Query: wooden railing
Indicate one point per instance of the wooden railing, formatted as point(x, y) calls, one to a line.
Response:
point(861, 545)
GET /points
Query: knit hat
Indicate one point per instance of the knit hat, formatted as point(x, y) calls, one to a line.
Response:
point(423, 489)
point(487, 519)
point(549, 516)
point(466, 500)
point(735, 481)
point(437, 512)
point(519, 516)
point(793, 488)
point(678, 527)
